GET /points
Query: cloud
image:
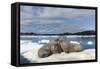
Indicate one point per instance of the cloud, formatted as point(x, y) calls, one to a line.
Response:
point(54, 20)
point(51, 12)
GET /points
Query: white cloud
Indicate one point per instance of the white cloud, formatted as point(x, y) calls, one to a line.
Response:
point(46, 13)
point(55, 18)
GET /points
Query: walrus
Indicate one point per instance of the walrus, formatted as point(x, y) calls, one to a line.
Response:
point(44, 51)
point(70, 47)
point(49, 49)
point(58, 46)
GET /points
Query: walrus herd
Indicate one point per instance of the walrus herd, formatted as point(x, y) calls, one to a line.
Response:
point(58, 46)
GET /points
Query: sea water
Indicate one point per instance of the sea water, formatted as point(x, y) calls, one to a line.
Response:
point(85, 41)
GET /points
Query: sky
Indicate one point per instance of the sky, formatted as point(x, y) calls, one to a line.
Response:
point(51, 20)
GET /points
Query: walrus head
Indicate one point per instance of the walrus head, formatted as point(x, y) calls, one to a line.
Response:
point(56, 48)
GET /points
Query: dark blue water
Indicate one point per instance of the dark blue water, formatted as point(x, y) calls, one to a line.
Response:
point(86, 42)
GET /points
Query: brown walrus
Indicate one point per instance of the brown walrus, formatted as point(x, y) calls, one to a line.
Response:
point(49, 49)
point(58, 46)
point(70, 47)
point(44, 51)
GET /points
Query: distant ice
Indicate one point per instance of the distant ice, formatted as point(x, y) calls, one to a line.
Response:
point(75, 42)
point(68, 36)
point(43, 41)
point(89, 42)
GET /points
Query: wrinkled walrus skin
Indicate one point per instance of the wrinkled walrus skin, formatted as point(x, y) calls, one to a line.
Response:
point(49, 49)
point(44, 51)
point(70, 47)
point(58, 47)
